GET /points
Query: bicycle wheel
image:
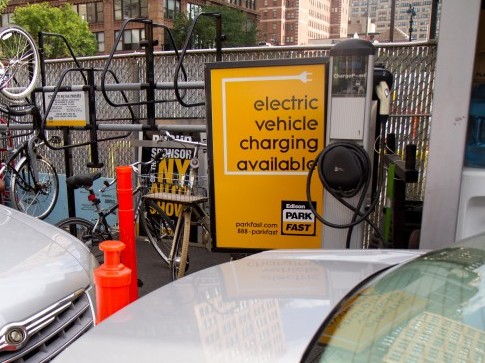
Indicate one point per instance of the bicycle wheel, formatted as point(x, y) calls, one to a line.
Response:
point(37, 200)
point(158, 227)
point(83, 230)
point(180, 258)
point(19, 63)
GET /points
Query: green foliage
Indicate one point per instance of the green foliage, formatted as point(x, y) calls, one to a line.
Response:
point(3, 5)
point(238, 30)
point(60, 20)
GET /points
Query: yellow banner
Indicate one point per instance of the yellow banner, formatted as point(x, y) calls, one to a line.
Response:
point(266, 128)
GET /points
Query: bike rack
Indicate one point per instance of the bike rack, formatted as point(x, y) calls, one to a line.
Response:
point(150, 85)
point(39, 121)
point(402, 214)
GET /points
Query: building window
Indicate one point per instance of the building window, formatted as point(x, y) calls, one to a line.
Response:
point(100, 39)
point(131, 39)
point(193, 10)
point(171, 8)
point(90, 12)
point(95, 12)
point(125, 9)
point(80, 9)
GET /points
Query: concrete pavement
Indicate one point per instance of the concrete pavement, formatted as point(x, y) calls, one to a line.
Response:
point(154, 272)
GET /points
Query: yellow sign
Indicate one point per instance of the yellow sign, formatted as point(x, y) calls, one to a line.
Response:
point(266, 126)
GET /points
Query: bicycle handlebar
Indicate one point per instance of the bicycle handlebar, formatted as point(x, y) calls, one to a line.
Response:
point(86, 180)
point(133, 166)
point(157, 157)
point(169, 136)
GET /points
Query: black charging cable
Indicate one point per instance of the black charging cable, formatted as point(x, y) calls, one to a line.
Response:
point(349, 167)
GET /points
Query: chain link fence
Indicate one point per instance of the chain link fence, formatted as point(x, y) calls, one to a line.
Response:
point(412, 65)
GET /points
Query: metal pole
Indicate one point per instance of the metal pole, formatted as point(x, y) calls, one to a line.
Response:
point(411, 13)
point(93, 134)
point(391, 26)
point(367, 21)
point(150, 73)
point(433, 19)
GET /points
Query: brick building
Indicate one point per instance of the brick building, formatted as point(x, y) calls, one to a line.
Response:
point(294, 22)
point(105, 18)
point(378, 13)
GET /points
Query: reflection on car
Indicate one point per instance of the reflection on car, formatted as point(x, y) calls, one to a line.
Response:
point(265, 307)
point(46, 286)
point(432, 307)
point(310, 306)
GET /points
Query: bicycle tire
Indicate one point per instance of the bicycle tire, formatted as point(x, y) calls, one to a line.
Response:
point(19, 63)
point(83, 229)
point(158, 227)
point(35, 200)
point(180, 258)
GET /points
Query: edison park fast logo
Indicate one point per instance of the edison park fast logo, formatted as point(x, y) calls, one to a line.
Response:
point(297, 218)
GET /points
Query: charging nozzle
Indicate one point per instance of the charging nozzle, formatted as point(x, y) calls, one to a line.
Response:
point(384, 95)
point(382, 74)
point(383, 80)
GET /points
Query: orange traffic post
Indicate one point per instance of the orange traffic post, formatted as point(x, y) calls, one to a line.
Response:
point(112, 281)
point(126, 216)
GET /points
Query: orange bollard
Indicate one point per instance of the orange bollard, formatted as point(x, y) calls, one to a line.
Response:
point(112, 281)
point(126, 216)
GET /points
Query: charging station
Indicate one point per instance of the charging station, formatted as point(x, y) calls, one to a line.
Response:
point(350, 139)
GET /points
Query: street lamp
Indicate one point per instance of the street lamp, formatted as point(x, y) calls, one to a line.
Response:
point(412, 14)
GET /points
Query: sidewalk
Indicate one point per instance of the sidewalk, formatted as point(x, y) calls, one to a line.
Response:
point(154, 272)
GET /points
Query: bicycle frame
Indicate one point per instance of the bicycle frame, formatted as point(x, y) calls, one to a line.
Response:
point(101, 221)
point(103, 213)
point(32, 175)
point(27, 150)
point(192, 210)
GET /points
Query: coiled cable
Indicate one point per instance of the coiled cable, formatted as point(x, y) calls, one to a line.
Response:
point(350, 172)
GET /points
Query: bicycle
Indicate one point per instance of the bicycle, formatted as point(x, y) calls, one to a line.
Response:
point(156, 224)
point(188, 191)
point(19, 63)
point(32, 179)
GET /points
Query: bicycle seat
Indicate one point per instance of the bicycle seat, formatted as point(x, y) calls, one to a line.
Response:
point(82, 180)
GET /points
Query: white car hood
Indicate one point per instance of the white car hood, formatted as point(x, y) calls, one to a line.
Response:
point(266, 307)
point(39, 265)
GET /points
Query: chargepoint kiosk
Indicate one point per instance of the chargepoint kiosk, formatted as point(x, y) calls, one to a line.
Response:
point(351, 119)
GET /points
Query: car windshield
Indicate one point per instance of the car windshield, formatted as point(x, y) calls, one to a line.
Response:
point(428, 310)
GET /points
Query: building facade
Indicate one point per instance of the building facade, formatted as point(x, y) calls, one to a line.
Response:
point(105, 18)
point(414, 15)
point(339, 19)
point(280, 22)
point(294, 22)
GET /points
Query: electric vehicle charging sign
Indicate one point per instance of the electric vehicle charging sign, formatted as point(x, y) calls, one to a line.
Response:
point(266, 126)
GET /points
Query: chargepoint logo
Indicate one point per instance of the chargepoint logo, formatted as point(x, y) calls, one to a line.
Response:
point(349, 76)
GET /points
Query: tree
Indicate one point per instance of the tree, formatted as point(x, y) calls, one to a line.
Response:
point(60, 20)
point(3, 5)
point(238, 30)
